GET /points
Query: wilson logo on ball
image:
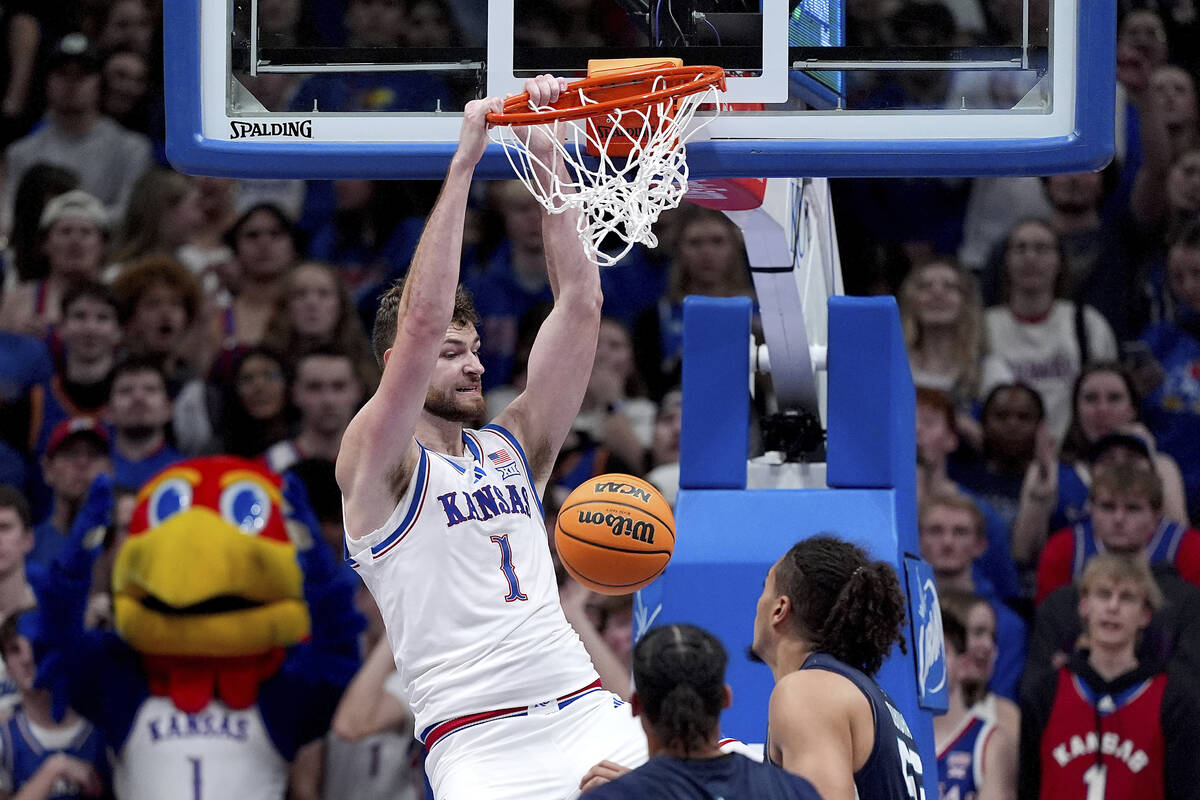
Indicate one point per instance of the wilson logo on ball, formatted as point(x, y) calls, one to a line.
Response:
point(621, 526)
point(623, 488)
point(615, 533)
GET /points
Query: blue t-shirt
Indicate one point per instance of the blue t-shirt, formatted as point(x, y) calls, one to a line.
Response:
point(14, 467)
point(357, 259)
point(48, 542)
point(1001, 492)
point(24, 362)
point(633, 285)
point(995, 566)
point(502, 301)
point(134, 474)
point(1172, 410)
point(731, 776)
point(1072, 498)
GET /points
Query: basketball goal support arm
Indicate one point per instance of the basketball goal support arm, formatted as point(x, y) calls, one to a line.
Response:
point(791, 244)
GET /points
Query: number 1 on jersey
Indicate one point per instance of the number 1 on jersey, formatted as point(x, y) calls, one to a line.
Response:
point(196, 793)
point(1095, 779)
point(506, 566)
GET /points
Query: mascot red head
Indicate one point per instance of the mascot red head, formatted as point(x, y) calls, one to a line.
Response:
point(207, 587)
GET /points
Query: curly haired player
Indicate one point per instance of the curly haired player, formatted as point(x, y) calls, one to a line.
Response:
point(827, 617)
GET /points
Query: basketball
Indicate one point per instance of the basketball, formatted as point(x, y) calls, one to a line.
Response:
point(615, 533)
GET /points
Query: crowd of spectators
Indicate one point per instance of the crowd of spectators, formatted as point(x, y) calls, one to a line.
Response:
point(1053, 327)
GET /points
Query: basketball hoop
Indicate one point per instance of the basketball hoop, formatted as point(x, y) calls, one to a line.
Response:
point(621, 133)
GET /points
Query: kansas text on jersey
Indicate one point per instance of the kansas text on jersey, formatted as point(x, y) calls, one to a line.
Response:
point(462, 573)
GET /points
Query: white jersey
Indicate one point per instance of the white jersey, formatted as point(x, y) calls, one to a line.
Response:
point(462, 574)
point(216, 754)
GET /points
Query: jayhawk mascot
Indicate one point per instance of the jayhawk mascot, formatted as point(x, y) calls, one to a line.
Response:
point(235, 632)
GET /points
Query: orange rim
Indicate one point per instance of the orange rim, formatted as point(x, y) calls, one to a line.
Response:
point(681, 82)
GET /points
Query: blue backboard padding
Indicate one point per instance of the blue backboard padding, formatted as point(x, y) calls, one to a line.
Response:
point(1088, 147)
point(872, 405)
point(727, 540)
point(716, 414)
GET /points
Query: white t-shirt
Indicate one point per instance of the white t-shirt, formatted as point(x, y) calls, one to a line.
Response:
point(1046, 355)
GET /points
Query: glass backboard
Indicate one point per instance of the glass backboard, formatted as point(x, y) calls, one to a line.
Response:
point(376, 88)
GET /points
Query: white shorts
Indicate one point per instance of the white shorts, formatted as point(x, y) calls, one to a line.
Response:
point(540, 756)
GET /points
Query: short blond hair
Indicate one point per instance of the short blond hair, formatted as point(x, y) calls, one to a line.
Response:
point(957, 501)
point(1122, 568)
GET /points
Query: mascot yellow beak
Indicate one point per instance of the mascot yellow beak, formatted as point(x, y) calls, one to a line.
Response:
point(196, 585)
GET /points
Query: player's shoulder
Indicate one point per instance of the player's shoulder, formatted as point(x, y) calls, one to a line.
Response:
point(818, 692)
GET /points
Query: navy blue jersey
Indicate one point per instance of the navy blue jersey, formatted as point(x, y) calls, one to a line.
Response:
point(24, 753)
point(894, 770)
point(731, 777)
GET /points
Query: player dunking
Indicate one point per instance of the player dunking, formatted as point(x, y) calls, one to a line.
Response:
point(827, 618)
point(445, 527)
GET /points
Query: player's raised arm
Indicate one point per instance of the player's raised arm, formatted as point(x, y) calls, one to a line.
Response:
point(378, 452)
point(560, 361)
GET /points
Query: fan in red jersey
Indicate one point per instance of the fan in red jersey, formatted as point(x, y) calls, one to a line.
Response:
point(1107, 725)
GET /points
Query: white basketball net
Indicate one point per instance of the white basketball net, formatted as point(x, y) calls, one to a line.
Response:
point(614, 194)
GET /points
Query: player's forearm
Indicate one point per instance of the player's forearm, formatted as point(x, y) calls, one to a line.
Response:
point(570, 271)
point(428, 300)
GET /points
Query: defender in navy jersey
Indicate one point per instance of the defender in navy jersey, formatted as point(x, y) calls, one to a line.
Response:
point(679, 671)
point(445, 524)
point(827, 617)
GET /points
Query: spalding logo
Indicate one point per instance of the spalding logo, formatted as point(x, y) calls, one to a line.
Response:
point(623, 488)
point(301, 129)
point(641, 530)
